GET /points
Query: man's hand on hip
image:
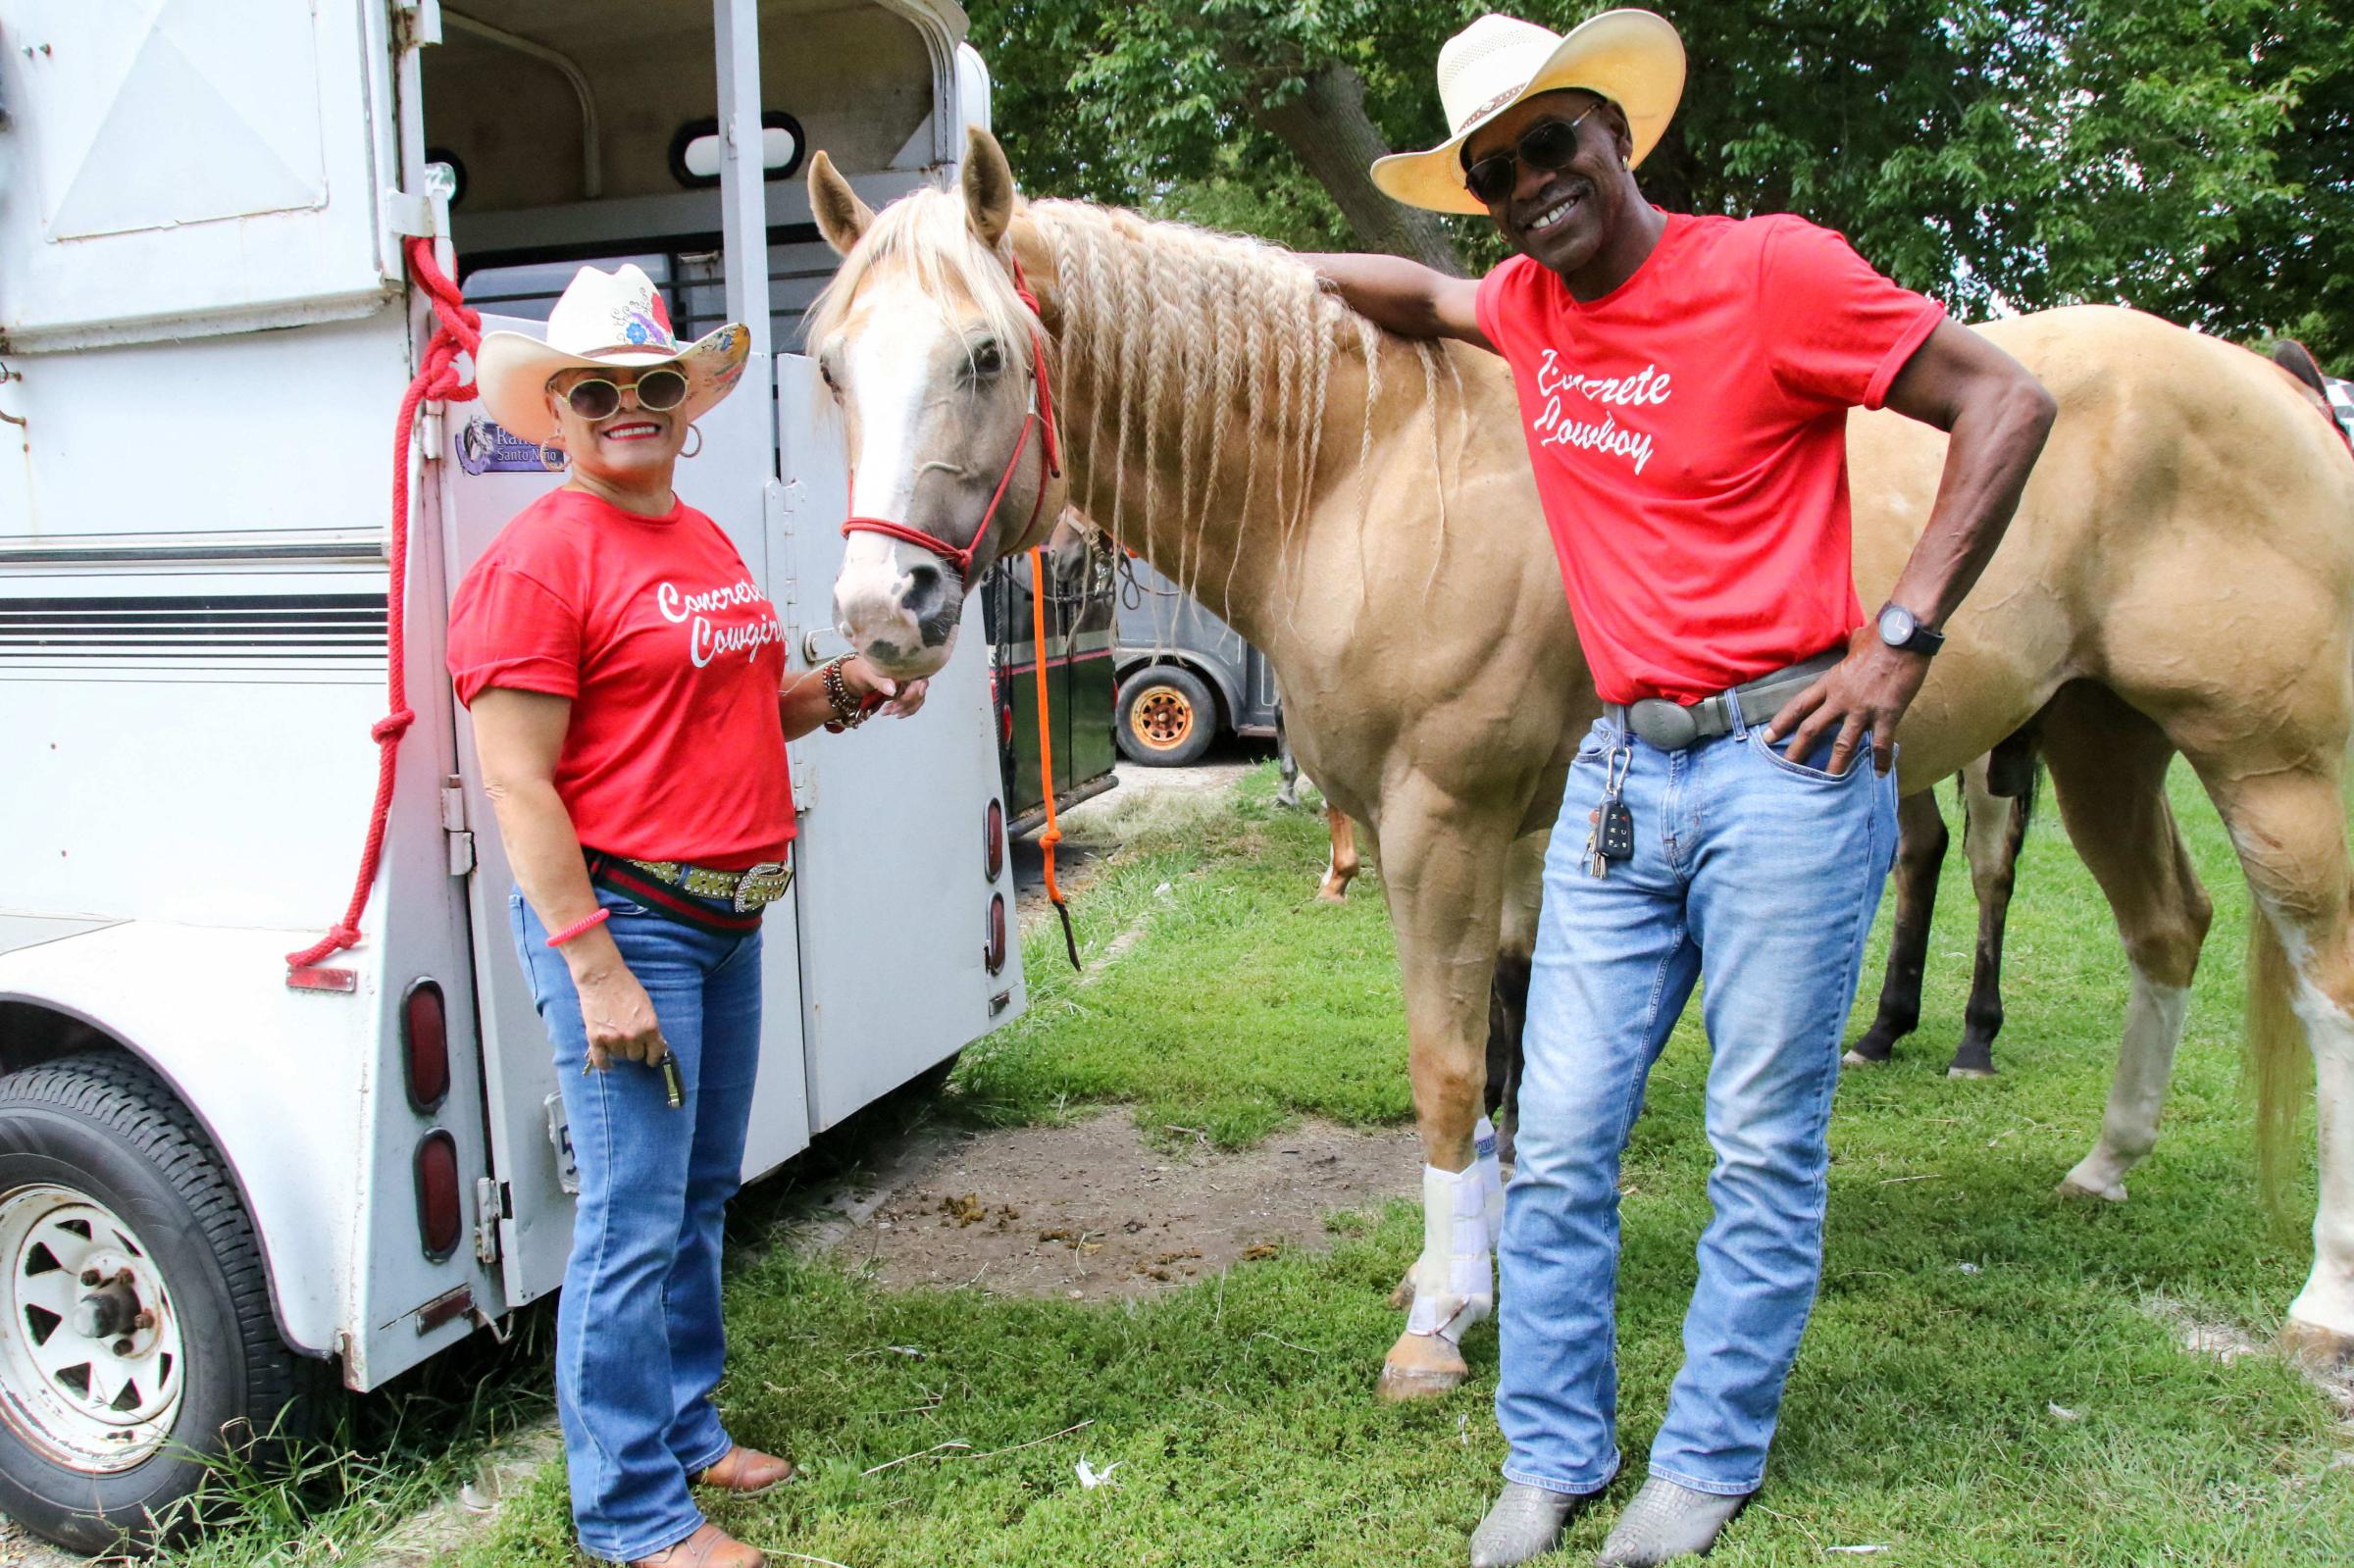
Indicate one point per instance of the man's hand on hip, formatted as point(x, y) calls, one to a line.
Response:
point(1869, 690)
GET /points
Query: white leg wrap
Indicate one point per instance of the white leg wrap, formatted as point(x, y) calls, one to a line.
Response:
point(1490, 1176)
point(1455, 1279)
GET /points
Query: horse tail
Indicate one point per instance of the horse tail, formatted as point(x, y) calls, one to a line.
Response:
point(2276, 1059)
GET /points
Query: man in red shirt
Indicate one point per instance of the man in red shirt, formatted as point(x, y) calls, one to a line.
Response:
point(1684, 385)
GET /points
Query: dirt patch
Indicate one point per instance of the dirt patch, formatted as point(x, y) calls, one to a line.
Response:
point(1091, 1210)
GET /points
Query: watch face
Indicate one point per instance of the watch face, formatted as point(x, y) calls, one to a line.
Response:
point(1897, 626)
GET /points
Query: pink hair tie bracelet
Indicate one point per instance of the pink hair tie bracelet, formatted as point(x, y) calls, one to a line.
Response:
point(578, 925)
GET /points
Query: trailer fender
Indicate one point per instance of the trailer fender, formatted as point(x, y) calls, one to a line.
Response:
point(276, 1078)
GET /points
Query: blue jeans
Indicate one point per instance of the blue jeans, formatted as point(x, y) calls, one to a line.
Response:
point(1761, 876)
point(638, 1338)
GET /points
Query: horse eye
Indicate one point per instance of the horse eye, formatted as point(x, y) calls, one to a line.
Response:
point(988, 359)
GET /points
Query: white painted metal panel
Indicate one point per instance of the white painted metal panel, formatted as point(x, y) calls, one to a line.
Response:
point(182, 165)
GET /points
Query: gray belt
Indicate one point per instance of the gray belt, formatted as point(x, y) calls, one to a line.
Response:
point(1674, 726)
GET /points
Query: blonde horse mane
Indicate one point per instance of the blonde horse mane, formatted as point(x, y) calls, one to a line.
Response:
point(1178, 333)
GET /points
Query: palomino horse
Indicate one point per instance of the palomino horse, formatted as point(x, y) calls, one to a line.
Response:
point(2180, 577)
point(1998, 801)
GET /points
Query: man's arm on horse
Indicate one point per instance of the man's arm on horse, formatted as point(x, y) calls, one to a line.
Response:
point(1406, 297)
point(1997, 415)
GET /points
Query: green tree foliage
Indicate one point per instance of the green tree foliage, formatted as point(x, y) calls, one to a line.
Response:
point(2194, 158)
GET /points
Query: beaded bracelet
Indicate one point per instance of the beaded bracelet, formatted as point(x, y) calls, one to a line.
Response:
point(578, 925)
point(848, 712)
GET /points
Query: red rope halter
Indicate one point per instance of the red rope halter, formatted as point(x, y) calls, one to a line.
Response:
point(1041, 415)
point(459, 330)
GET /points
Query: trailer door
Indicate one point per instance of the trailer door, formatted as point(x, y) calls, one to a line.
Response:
point(488, 477)
point(175, 167)
point(894, 887)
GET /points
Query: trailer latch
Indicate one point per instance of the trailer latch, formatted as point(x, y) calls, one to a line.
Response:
point(493, 1201)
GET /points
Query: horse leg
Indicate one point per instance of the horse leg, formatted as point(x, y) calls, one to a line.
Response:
point(1508, 999)
point(2288, 826)
point(1993, 831)
point(1443, 871)
point(1920, 841)
point(2108, 768)
point(1287, 764)
point(1341, 869)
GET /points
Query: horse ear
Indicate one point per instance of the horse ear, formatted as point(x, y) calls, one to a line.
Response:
point(988, 186)
point(841, 216)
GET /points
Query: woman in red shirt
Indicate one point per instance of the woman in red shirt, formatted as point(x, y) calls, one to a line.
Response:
point(631, 708)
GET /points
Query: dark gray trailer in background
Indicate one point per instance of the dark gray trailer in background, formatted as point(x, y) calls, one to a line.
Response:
point(1185, 675)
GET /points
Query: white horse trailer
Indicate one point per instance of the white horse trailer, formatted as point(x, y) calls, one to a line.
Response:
point(220, 1182)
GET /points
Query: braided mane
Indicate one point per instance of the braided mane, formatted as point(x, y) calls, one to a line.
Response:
point(1177, 335)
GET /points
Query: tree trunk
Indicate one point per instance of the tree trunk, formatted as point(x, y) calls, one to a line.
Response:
point(1328, 130)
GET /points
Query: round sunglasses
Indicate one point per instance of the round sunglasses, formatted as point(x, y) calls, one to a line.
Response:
point(659, 390)
point(1549, 144)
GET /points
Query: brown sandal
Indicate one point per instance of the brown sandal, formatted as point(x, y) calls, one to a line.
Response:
point(744, 1470)
point(708, 1547)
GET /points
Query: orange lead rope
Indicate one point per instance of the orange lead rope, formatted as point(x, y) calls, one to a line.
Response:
point(1045, 748)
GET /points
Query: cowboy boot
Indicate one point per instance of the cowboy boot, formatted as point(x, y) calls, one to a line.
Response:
point(708, 1547)
point(744, 1470)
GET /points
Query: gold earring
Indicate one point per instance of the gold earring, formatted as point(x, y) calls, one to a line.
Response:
point(556, 467)
point(695, 430)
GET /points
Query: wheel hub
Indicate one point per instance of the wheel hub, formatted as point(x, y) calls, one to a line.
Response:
point(1163, 718)
point(90, 1349)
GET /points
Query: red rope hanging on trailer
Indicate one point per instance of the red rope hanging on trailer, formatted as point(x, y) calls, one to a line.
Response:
point(459, 330)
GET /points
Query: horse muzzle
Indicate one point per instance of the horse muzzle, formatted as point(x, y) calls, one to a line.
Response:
point(898, 607)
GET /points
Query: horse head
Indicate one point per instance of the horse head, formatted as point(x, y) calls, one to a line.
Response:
point(934, 357)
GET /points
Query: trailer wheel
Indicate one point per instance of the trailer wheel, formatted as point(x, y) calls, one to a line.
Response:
point(137, 1342)
point(1167, 716)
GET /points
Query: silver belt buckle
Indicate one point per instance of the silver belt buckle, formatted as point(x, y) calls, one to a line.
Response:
point(760, 884)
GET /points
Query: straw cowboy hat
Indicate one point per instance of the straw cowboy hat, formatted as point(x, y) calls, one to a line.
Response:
point(1632, 58)
point(614, 319)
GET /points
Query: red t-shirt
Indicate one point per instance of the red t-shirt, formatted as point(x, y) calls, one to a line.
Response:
point(1689, 434)
point(672, 659)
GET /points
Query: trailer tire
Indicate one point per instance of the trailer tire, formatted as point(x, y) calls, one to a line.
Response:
point(99, 1157)
point(1168, 716)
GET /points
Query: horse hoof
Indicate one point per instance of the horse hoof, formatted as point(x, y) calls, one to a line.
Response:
point(1859, 1059)
point(2113, 1192)
point(1422, 1366)
point(2326, 1350)
point(1328, 896)
point(1969, 1071)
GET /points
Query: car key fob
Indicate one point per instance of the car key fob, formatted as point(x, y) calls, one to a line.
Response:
point(1614, 834)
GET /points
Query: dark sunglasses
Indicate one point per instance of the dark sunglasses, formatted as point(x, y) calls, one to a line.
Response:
point(1549, 144)
point(595, 398)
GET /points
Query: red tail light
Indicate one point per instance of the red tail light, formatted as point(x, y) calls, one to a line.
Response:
point(993, 952)
point(424, 1046)
point(992, 827)
point(440, 1219)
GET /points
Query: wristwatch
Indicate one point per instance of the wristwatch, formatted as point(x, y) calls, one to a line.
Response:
point(1900, 628)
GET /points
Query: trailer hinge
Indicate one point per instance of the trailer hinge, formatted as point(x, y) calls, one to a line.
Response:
point(453, 826)
point(493, 1201)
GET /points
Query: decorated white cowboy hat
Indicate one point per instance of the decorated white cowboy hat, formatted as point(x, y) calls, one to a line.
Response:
point(1632, 58)
point(613, 318)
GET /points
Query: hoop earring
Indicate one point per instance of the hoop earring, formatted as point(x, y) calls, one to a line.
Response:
point(695, 430)
point(557, 467)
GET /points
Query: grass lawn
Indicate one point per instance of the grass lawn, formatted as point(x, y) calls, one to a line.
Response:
point(1984, 1381)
